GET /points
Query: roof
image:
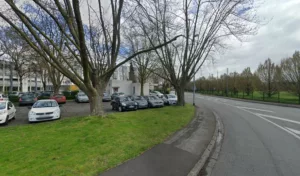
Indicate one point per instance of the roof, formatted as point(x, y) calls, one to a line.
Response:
point(47, 100)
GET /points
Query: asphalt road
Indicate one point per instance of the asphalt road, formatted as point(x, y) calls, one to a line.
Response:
point(260, 140)
point(70, 109)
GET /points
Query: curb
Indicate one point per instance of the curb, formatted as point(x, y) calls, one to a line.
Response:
point(207, 169)
point(255, 101)
point(215, 143)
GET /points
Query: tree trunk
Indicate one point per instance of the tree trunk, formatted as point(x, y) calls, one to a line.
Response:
point(44, 85)
point(96, 106)
point(56, 88)
point(95, 97)
point(21, 83)
point(180, 96)
point(11, 78)
point(142, 88)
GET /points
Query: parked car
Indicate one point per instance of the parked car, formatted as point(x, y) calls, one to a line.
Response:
point(81, 97)
point(27, 99)
point(123, 104)
point(44, 110)
point(154, 101)
point(7, 111)
point(117, 94)
point(171, 99)
point(165, 100)
point(173, 92)
point(140, 100)
point(156, 93)
point(106, 97)
point(3, 97)
point(60, 98)
point(44, 95)
point(14, 93)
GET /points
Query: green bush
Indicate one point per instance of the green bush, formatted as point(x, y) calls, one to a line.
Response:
point(13, 98)
point(70, 95)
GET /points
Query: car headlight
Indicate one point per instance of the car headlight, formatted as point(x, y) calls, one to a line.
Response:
point(3, 112)
point(31, 113)
point(123, 104)
point(56, 111)
point(135, 103)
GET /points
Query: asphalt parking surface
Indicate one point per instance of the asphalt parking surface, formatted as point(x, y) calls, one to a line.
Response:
point(70, 109)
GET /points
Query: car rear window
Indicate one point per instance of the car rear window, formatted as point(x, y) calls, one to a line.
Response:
point(27, 96)
point(59, 95)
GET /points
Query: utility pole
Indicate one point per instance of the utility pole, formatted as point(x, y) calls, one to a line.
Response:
point(194, 89)
point(11, 77)
point(3, 75)
point(227, 83)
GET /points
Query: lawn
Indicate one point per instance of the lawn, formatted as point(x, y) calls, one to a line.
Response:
point(86, 145)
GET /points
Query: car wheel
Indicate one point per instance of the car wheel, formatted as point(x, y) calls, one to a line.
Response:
point(112, 107)
point(6, 121)
point(14, 117)
point(120, 109)
point(136, 108)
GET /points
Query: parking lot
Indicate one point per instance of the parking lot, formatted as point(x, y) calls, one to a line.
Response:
point(70, 109)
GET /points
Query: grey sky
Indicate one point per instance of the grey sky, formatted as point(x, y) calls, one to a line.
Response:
point(278, 39)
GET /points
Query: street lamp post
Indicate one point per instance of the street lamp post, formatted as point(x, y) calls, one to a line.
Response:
point(194, 87)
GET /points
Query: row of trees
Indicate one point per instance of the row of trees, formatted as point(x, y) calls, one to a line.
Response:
point(86, 41)
point(269, 78)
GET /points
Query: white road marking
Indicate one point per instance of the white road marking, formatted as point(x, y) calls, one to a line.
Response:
point(263, 110)
point(278, 118)
point(275, 124)
point(293, 130)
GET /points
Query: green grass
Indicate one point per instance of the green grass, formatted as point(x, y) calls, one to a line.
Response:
point(284, 97)
point(86, 145)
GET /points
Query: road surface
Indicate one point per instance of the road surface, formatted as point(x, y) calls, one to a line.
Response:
point(260, 140)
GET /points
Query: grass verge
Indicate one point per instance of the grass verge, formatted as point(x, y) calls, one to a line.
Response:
point(89, 145)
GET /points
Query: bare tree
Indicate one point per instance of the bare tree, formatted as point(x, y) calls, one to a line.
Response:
point(94, 44)
point(18, 51)
point(246, 81)
point(290, 68)
point(205, 26)
point(145, 63)
point(267, 74)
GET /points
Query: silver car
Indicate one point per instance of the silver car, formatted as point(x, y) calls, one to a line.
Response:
point(81, 97)
point(154, 101)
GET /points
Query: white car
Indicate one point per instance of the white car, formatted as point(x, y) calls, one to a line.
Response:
point(172, 99)
point(156, 93)
point(3, 97)
point(7, 111)
point(44, 110)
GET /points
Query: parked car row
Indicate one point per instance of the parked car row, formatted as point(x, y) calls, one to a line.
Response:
point(30, 98)
point(123, 103)
point(41, 110)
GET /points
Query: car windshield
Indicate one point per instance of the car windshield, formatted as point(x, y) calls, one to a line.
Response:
point(81, 95)
point(139, 98)
point(125, 99)
point(44, 104)
point(4, 96)
point(153, 98)
point(27, 96)
point(171, 96)
point(2, 105)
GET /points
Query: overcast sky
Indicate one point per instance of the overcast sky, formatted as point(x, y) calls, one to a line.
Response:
point(278, 39)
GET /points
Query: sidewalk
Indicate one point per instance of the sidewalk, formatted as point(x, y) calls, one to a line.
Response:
point(177, 155)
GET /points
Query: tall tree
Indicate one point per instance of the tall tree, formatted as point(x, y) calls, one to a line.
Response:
point(204, 24)
point(18, 51)
point(246, 80)
point(290, 69)
point(267, 74)
point(94, 44)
